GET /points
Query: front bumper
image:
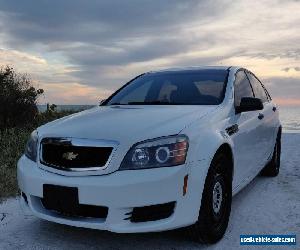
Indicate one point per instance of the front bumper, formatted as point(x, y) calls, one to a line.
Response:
point(120, 191)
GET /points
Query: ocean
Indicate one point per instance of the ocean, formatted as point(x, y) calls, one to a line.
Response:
point(290, 118)
point(289, 115)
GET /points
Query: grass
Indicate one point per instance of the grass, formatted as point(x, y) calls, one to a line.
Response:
point(12, 145)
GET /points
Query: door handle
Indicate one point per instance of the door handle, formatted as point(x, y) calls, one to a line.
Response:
point(274, 108)
point(260, 116)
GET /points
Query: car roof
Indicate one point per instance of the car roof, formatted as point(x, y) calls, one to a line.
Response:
point(194, 68)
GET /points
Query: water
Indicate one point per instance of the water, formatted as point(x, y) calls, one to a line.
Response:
point(289, 115)
point(290, 118)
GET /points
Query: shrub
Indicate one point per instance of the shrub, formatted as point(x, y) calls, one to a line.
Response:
point(19, 116)
point(17, 99)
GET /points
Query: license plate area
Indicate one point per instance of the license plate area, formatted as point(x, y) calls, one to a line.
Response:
point(61, 199)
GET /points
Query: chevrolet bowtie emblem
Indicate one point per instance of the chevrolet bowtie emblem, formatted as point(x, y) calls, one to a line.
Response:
point(69, 156)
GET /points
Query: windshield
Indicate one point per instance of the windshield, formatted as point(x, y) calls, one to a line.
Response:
point(201, 87)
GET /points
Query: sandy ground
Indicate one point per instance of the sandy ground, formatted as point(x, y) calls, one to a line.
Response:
point(265, 206)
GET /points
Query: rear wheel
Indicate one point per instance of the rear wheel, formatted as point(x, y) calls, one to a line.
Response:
point(216, 203)
point(272, 168)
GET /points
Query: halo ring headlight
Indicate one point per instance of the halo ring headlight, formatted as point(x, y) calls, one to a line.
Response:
point(162, 154)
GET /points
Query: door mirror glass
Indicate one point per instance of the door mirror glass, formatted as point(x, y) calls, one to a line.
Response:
point(249, 104)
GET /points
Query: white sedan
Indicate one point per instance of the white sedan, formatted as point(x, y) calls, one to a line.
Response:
point(167, 150)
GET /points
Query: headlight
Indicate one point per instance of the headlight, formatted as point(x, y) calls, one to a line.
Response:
point(31, 146)
point(160, 152)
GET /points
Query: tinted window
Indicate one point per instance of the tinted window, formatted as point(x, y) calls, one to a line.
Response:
point(242, 87)
point(138, 94)
point(259, 91)
point(200, 87)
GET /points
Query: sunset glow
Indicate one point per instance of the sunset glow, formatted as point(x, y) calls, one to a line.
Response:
point(82, 57)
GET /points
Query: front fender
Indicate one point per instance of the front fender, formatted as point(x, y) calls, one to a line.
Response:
point(203, 147)
point(204, 144)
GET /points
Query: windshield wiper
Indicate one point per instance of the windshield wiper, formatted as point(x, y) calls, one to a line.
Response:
point(150, 103)
point(147, 103)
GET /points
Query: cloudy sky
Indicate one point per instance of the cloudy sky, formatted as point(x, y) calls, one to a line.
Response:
point(81, 51)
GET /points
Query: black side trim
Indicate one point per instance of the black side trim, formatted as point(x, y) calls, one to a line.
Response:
point(232, 129)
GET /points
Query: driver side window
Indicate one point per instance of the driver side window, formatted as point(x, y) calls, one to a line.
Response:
point(242, 87)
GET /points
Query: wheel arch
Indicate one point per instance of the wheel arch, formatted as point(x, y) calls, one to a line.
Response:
point(227, 150)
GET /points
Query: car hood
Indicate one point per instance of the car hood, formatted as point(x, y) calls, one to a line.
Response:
point(128, 124)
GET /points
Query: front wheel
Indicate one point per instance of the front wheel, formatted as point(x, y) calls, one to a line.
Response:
point(216, 203)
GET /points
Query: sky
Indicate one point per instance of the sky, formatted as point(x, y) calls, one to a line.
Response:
point(79, 52)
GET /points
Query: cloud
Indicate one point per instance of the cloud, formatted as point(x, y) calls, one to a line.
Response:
point(14, 56)
point(287, 69)
point(102, 44)
point(96, 22)
point(77, 93)
point(283, 87)
point(98, 36)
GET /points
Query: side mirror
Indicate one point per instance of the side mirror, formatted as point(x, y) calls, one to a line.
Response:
point(249, 104)
point(101, 102)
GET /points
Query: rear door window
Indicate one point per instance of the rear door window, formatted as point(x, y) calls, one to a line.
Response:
point(258, 89)
point(242, 87)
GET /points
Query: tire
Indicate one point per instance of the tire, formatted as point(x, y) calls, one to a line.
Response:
point(214, 211)
point(272, 168)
